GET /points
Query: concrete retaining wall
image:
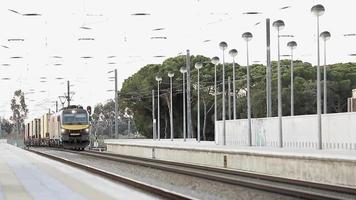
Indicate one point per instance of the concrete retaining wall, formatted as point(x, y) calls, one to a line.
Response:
point(338, 131)
point(303, 167)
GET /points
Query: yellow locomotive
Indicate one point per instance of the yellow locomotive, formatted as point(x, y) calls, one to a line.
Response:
point(68, 128)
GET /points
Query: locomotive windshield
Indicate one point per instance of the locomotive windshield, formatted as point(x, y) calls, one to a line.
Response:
point(75, 118)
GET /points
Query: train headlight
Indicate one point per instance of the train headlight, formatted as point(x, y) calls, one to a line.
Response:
point(63, 130)
point(87, 130)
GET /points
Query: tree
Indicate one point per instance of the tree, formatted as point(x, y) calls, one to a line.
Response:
point(5, 126)
point(19, 110)
point(103, 119)
point(136, 92)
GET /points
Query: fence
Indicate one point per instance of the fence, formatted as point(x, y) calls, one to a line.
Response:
point(338, 131)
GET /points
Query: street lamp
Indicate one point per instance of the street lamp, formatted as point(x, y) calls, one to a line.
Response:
point(292, 45)
point(158, 79)
point(233, 54)
point(325, 36)
point(279, 25)
point(223, 47)
point(247, 36)
point(318, 10)
point(170, 75)
point(198, 66)
point(183, 70)
point(215, 61)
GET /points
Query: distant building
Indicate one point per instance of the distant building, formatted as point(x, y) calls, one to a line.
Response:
point(351, 102)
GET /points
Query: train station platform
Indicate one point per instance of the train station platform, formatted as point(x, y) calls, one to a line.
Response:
point(24, 175)
point(336, 167)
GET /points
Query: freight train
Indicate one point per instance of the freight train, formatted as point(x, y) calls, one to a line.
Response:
point(68, 128)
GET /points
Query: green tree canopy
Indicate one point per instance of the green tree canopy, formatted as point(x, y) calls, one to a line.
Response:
point(136, 92)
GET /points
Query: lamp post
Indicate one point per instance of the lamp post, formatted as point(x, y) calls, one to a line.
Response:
point(153, 116)
point(198, 66)
point(215, 61)
point(279, 25)
point(318, 10)
point(228, 96)
point(183, 70)
point(170, 75)
point(325, 36)
point(292, 45)
point(223, 47)
point(158, 79)
point(247, 36)
point(233, 54)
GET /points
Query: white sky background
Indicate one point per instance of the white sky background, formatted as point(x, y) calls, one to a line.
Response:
point(187, 24)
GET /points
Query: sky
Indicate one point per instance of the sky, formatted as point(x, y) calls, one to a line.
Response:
point(53, 48)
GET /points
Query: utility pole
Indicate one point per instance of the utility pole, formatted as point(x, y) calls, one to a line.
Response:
point(189, 107)
point(268, 70)
point(68, 93)
point(56, 106)
point(116, 106)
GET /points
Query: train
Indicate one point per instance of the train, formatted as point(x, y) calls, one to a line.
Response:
point(68, 128)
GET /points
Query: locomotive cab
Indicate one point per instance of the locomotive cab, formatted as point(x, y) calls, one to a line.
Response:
point(74, 127)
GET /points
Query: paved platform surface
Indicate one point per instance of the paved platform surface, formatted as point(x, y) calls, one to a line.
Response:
point(192, 144)
point(24, 175)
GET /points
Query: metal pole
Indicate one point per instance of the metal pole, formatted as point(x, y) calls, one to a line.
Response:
point(215, 105)
point(268, 70)
point(248, 100)
point(171, 109)
point(184, 114)
point(234, 87)
point(291, 85)
point(129, 126)
point(198, 109)
point(279, 97)
point(325, 82)
point(318, 90)
point(56, 106)
point(158, 114)
point(116, 106)
point(153, 116)
point(223, 101)
point(68, 93)
point(189, 106)
point(228, 96)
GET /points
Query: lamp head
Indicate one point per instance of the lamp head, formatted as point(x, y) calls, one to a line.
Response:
point(158, 78)
point(292, 44)
point(325, 35)
point(318, 10)
point(183, 70)
point(279, 24)
point(223, 45)
point(170, 74)
point(198, 65)
point(247, 36)
point(233, 53)
point(215, 60)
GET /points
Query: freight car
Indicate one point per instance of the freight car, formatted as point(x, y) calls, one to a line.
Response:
point(68, 128)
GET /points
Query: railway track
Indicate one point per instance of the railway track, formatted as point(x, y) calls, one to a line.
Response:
point(114, 177)
point(279, 185)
